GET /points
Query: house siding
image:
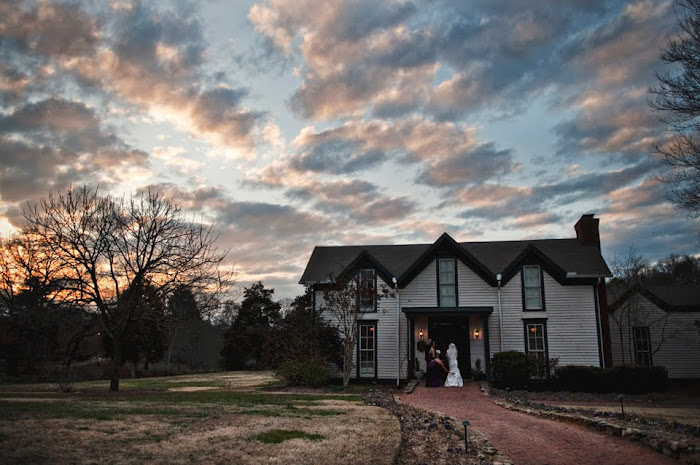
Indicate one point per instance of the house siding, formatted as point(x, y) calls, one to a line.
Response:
point(679, 353)
point(386, 337)
point(422, 290)
point(572, 327)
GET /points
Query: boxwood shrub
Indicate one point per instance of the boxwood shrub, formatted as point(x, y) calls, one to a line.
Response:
point(625, 379)
point(511, 369)
point(309, 373)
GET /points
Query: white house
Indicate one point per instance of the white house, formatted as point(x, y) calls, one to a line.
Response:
point(659, 325)
point(542, 297)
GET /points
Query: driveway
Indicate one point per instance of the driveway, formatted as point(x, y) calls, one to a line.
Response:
point(529, 440)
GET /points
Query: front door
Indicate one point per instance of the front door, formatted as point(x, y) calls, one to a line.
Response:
point(444, 330)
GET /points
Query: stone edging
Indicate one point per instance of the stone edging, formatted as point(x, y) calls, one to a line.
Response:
point(681, 450)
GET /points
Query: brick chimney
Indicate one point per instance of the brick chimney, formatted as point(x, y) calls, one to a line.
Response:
point(587, 230)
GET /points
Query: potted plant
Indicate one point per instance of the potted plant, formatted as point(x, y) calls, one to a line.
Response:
point(477, 374)
point(417, 372)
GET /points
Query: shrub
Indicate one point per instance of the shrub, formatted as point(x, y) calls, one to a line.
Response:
point(637, 379)
point(580, 379)
point(511, 369)
point(304, 373)
point(627, 379)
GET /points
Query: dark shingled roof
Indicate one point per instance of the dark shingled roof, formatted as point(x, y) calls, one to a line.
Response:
point(669, 297)
point(569, 254)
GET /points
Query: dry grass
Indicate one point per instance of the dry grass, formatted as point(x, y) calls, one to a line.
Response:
point(195, 427)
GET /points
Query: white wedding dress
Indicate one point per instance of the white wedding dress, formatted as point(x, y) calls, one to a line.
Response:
point(454, 378)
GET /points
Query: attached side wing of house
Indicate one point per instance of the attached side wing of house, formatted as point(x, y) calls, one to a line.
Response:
point(542, 297)
point(658, 326)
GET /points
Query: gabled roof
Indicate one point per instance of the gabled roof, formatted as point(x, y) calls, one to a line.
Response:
point(569, 257)
point(668, 297)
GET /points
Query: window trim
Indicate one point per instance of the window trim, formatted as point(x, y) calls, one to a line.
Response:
point(542, 322)
point(637, 353)
point(438, 286)
point(372, 323)
point(522, 283)
point(373, 308)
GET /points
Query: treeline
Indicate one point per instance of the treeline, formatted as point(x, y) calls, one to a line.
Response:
point(262, 337)
point(88, 272)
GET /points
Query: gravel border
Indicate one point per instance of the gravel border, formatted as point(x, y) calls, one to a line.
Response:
point(430, 438)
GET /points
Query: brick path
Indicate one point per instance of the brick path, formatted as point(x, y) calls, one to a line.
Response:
point(529, 440)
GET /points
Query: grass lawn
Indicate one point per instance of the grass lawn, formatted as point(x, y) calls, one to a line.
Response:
point(212, 418)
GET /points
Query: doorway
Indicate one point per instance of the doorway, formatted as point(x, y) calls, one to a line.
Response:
point(444, 330)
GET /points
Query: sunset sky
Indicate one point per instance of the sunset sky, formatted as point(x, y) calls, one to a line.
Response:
point(295, 123)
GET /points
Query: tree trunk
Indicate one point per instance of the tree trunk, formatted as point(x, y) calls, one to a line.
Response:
point(347, 361)
point(169, 355)
point(116, 364)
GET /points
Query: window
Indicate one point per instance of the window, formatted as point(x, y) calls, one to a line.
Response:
point(532, 288)
point(642, 345)
point(536, 347)
point(366, 351)
point(366, 292)
point(446, 279)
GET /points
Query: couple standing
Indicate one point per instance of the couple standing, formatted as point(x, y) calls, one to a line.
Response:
point(436, 367)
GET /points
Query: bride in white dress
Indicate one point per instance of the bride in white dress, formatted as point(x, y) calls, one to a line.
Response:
point(454, 378)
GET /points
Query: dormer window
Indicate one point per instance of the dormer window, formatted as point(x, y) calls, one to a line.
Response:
point(367, 294)
point(446, 282)
point(532, 288)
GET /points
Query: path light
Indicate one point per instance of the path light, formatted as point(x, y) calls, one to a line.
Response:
point(466, 441)
point(622, 405)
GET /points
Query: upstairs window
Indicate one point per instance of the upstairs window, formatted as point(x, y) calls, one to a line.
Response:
point(642, 345)
point(446, 280)
point(532, 288)
point(367, 294)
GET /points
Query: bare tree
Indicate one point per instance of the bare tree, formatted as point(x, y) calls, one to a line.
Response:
point(632, 274)
point(31, 294)
point(109, 249)
point(678, 269)
point(340, 306)
point(677, 96)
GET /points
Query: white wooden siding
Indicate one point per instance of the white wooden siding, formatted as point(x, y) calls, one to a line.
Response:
point(572, 328)
point(512, 309)
point(679, 352)
point(571, 321)
point(570, 313)
point(422, 291)
point(386, 335)
point(472, 290)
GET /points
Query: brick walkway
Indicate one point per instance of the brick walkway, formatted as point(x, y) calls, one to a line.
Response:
point(529, 440)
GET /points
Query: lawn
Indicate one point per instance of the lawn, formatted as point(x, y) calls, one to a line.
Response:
point(212, 418)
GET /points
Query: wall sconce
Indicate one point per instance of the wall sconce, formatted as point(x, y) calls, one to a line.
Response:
point(476, 333)
point(420, 333)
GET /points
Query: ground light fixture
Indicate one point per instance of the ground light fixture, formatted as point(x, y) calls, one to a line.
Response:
point(466, 423)
point(622, 405)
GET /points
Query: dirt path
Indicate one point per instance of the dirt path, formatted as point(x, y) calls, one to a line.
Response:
point(529, 440)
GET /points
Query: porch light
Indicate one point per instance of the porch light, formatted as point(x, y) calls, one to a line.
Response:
point(476, 333)
point(420, 333)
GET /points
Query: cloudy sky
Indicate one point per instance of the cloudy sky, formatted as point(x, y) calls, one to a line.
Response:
point(294, 123)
